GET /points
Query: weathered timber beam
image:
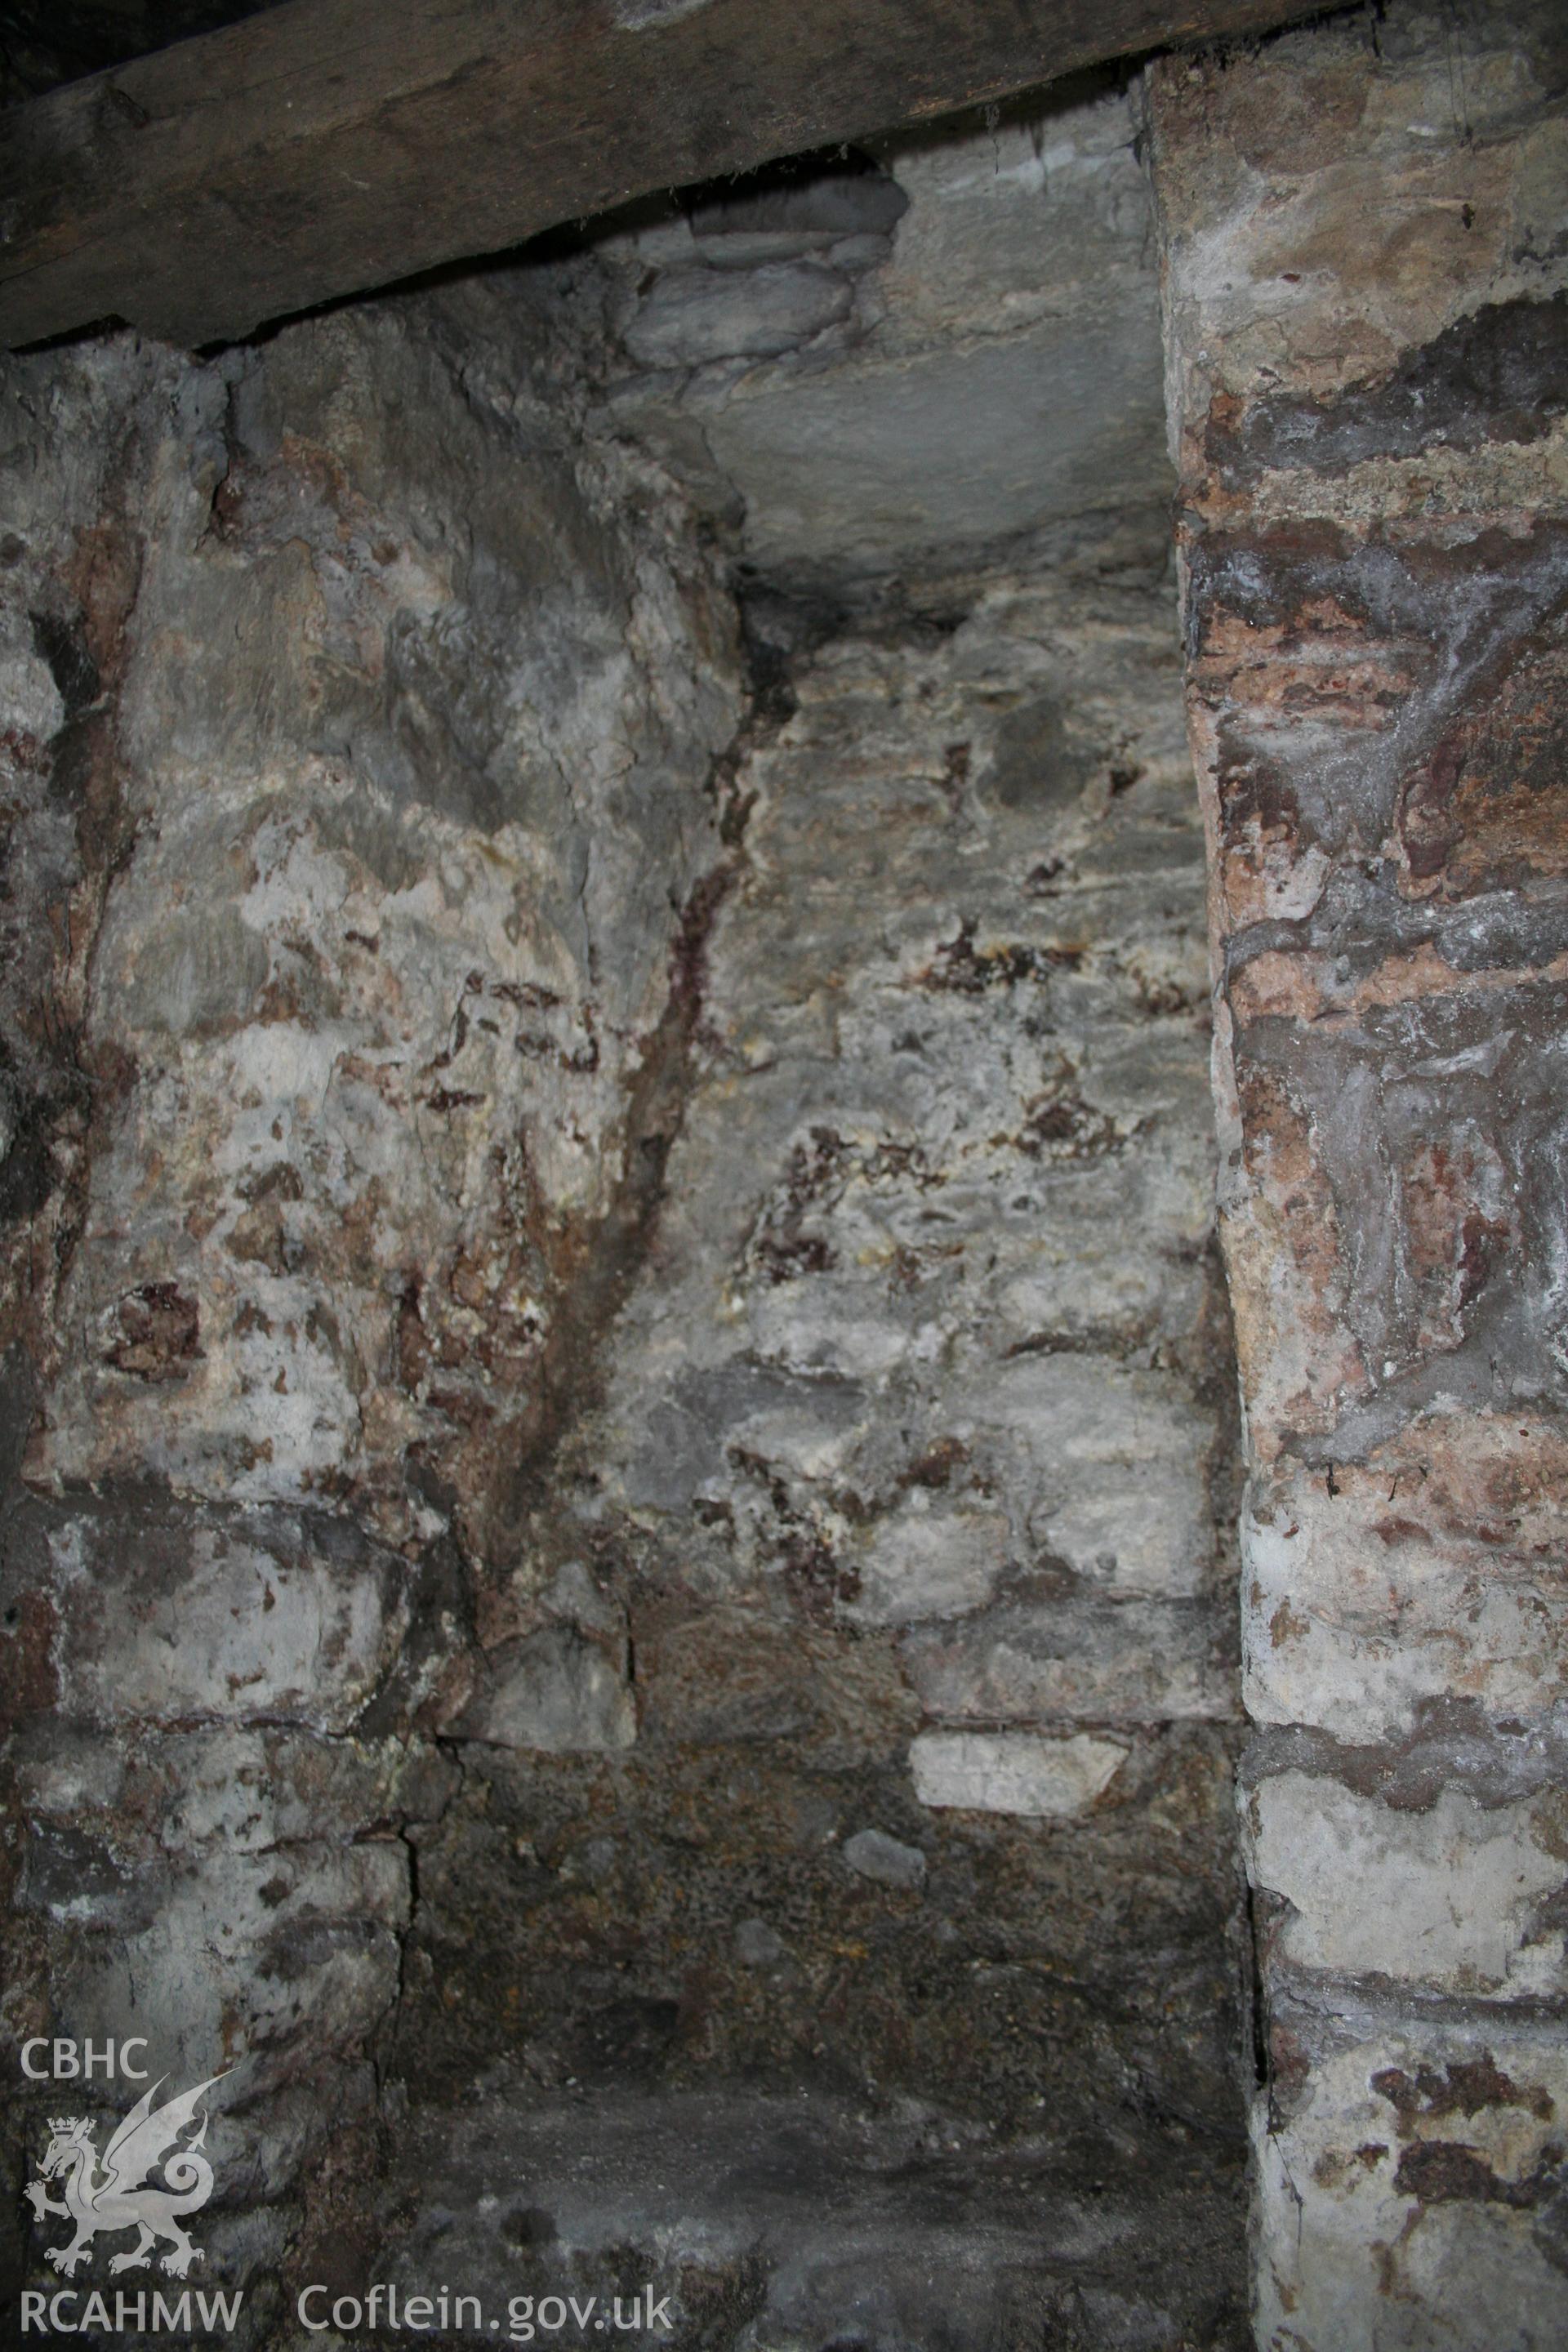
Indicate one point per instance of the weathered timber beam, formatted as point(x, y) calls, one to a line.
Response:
point(329, 146)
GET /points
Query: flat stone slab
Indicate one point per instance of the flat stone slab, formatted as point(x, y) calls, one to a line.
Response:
point(1013, 1772)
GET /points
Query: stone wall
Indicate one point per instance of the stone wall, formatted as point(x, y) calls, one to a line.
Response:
point(846, 1831)
point(1367, 335)
point(852, 1770)
point(361, 810)
point(621, 1507)
point(620, 1525)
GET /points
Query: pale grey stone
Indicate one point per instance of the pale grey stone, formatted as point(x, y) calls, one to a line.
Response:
point(693, 315)
point(28, 695)
point(287, 1952)
point(926, 1561)
point(1013, 1772)
point(926, 1229)
point(1003, 370)
point(872, 1854)
point(950, 448)
point(758, 1945)
point(418, 800)
point(555, 1692)
point(576, 1598)
point(1084, 1654)
point(1354, 1624)
point(227, 1625)
point(1444, 1898)
point(1345, 2269)
point(197, 973)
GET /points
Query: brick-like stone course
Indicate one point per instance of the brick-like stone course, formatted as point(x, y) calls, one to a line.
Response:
point(1365, 290)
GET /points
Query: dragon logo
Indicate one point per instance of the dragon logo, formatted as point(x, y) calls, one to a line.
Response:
point(124, 2196)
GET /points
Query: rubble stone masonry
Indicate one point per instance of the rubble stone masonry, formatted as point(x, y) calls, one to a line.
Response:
point(619, 1461)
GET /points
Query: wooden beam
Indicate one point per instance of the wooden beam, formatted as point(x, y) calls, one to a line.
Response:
point(330, 146)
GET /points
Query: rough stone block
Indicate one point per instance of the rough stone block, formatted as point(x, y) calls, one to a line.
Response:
point(693, 315)
point(275, 1616)
point(238, 1792)
point(1044, 344)
point(927, 1561)
point(1061, 1654)
point(1375, 1593)
point(1408, 2194)
point(396, 925)
point(1119, 1456)
point(1012, 1772)
point(555, 1692)
point(278, 1955)
point(1453, 1897)
point(872, 1854)
point(877, 448)
point(758, 1945)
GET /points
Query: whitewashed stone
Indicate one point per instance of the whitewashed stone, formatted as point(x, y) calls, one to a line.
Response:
point(924, 1561)
point(406, 877)
point(933, 1279)
point(298, 1947)
point(225, 1626)
point(1354, 2258)
point(1444, 1897)
point(1363, 1604)
point(1013, 1772)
